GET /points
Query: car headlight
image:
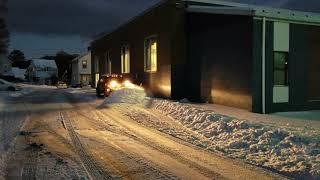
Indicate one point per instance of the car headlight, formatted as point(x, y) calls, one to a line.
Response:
point(113, 84)
point(127, 83)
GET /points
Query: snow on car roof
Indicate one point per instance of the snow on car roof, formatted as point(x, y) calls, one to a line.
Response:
point(43, 63)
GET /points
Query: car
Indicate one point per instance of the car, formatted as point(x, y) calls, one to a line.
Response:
point(62, 85)
point(109, 83)
point(8, 86)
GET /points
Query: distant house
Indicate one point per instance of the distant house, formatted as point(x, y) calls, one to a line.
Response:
point(81, 70)
point(257, 58)
point(19, 73)
point(42, 71)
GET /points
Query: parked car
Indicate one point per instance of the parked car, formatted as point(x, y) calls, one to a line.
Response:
point(8, 86)
point(62, 85)
point(109, 83)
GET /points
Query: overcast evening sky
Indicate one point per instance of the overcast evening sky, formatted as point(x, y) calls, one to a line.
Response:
point(41, 27)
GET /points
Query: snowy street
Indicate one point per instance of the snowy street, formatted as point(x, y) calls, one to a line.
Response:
point(50, 133)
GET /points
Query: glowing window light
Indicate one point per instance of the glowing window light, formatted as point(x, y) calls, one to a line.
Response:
point(151, 54)
point(125, 59)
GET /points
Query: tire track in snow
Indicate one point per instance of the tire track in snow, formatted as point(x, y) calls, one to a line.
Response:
point(205, 171)
point(30, 168)
point(94, 170)
point(146, 165)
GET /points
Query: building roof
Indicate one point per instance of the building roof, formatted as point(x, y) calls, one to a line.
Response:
point(226, 7)
point(81, 56)
point(43, 63)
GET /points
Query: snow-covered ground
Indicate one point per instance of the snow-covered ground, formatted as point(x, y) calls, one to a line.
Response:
point(82, 93)
point(12, 116)
point(288, 149)
point(289, 152)
point(27, 89)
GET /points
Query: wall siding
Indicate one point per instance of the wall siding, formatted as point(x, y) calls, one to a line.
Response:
point(299, 55)
point(162, 21)
point(257, 66)
point(220, 59)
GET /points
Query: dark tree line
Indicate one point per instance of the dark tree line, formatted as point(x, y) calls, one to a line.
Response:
point(4, 33)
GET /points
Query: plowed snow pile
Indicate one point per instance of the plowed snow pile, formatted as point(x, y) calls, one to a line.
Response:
point(290, 153)
point(133, 95)
point(276, 149)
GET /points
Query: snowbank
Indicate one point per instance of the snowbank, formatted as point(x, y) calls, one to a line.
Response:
point(132, 95)
point(83, 94)
point(266, 146)
point(21, 93)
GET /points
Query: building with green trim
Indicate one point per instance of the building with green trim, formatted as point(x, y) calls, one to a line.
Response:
point(256, 58)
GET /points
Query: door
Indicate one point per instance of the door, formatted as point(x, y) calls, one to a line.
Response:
point(281, 43)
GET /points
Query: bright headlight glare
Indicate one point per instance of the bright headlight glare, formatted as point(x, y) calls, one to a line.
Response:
point(113, 84)
point(127, 83)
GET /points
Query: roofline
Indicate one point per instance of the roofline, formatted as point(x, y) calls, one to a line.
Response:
point(220, 10)
point(103, 34)
point(80, 56)
point(240, 9)
point(257, 11)
point(222, 3)
point(42, 59)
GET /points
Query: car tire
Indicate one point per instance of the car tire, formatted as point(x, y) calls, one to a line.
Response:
point(11, 88)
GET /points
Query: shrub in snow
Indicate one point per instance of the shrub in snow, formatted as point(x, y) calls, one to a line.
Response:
point(278, 149)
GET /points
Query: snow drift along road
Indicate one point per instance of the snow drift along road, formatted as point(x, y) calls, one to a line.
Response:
point(132, 95)
point(278, 149)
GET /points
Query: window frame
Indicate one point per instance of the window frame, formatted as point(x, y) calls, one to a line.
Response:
point(125, 63)
point(286, 69)
point(146, 56)
point(86, 64)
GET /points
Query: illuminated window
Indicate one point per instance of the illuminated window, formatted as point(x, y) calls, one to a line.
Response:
point(150, 64)
point(280, 69)
point(125, 59)
point(84, 64)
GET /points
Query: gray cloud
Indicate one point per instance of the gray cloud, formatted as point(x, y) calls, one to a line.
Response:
point(89, 17)
point(70, 17)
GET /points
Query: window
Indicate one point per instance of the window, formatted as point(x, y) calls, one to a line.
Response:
point(125, 59)
point(280, 69)
point(108, 63)
point(84, 64)
point(150, 64)
point(96, 64)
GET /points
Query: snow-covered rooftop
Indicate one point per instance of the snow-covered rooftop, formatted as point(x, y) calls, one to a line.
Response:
point(43, 63)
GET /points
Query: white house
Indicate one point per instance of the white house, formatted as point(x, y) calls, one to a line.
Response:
point(42, 71)
point(18, 73)
point(81, 70)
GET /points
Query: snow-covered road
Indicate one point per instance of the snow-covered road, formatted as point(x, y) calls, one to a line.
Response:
point(68, 137)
